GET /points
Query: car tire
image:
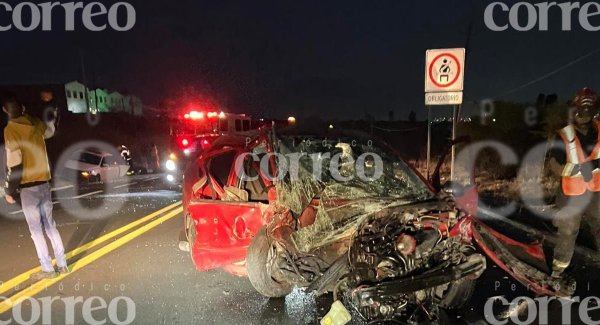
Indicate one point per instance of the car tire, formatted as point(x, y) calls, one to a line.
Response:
point(256, 262)
point(184, 244)
point(457, 294)
point(191, 234)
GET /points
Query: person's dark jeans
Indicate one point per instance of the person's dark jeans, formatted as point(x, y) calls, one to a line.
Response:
point(37, 207)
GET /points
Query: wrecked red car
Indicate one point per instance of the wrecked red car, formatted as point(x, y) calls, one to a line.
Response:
point(355, 220)
point(345, 214)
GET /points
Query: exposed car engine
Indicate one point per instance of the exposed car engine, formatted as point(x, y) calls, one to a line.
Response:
point(400, 266)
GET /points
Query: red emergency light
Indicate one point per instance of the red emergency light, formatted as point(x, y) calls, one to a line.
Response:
point(184, 142)
point(205, 144)
point(194, 115)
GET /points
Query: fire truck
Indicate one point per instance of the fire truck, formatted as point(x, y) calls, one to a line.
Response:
point(193, 130)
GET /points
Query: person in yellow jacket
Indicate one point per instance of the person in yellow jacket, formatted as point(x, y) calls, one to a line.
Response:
point(29, 172)
point(580, 179)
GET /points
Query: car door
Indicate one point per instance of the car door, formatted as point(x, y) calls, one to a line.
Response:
point(224, 219)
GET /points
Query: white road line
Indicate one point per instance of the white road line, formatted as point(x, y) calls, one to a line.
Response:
point(128, 184)
point(151, 179)
point(62, 188)
point(66, 198)
point(85, 195)
point(21, 211)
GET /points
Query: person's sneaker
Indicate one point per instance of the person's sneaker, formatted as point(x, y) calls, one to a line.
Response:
point(64, 270)
point(43, 275)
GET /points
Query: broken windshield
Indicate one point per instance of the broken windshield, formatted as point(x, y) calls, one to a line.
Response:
point(346, 168)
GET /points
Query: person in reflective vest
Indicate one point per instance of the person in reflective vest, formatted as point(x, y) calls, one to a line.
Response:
point(580, 178)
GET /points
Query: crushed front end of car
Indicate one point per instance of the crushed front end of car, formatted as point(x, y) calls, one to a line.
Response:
point(383, 246)
point(405, 264)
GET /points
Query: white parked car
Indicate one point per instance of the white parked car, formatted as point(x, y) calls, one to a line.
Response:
point(97, 166)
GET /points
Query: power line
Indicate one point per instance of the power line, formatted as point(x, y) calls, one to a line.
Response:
point(551, 73)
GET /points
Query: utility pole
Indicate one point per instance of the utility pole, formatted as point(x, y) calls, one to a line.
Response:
point(84, 80)
point(82, 61)
point(457, 108)
point(455, 117)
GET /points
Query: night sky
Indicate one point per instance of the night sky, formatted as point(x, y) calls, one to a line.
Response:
point(335, 59)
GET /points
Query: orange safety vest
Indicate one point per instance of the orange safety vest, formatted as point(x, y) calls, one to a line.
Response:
point(575, 185)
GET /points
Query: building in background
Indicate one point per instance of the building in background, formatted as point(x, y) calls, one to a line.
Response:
point(76, 93)
point(77, 98)
point(127, 104)
point(92, 101)
point(101, 100)
point(116, 102)
point(137, 106)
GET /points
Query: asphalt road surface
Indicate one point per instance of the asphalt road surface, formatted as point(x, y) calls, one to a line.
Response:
point(127, 268)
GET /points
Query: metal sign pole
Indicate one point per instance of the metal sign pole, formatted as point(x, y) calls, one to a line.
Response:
point(444, 83)
point(454, 118)
point(428, 139)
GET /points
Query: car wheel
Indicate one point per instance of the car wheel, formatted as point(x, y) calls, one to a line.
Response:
point(191, 235)
point(256, 262)
point(185, 244)
point(457, 294)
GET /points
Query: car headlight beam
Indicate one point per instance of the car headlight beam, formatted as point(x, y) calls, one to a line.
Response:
point(170, 165)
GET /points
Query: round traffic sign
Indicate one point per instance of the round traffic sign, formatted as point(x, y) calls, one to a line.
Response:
point(448, 72)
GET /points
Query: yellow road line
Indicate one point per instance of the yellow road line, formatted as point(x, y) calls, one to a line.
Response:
point(16, 281)
point(42, 285)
